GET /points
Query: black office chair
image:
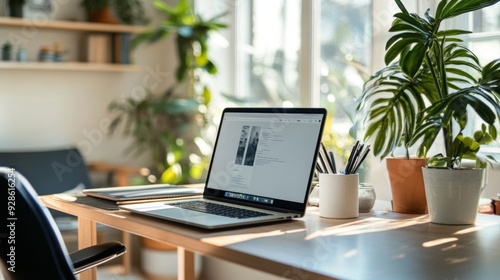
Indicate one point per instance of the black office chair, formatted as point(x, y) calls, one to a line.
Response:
point(31, 246)
point(51, 171)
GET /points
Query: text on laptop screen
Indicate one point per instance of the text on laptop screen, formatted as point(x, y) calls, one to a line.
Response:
point(263, 157)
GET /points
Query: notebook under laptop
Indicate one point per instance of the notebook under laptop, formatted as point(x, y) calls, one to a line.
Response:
point(263, 163)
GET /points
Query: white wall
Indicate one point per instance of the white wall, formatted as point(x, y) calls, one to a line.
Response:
point(47, 109)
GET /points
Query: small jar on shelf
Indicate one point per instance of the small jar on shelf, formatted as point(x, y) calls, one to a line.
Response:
point(46, 54)
point(21, 55)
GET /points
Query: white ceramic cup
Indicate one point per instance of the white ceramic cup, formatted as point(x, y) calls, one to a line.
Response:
point(338, 196)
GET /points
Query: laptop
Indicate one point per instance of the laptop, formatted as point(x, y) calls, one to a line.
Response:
point(261, 170)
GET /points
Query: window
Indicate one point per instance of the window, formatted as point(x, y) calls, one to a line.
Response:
point(264, 48)
point(318, 53)
point(345, 40)
point(269, 52)
point(485, 43)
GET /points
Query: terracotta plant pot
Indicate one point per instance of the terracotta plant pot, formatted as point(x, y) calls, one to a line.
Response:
point(407, 185)
point(496, 206)
point(103, 16)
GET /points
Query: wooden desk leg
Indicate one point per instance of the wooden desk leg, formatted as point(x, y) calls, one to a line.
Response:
point(185, 264)
point(127, 258)
point(87, 236)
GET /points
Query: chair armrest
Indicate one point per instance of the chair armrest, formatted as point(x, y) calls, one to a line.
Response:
point(94, 255)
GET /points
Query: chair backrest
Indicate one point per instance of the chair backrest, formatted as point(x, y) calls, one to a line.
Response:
point(31, 247)
point(50, 171)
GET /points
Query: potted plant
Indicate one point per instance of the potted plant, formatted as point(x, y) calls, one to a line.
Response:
point(127, 11)
point(7, 51)
point(99, 11)
point(130, 12)
point(16, 8)
point(429, 92)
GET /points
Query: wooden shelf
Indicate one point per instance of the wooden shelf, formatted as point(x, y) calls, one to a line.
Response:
point(72, 25)
point(70, 66)
point(78, 26)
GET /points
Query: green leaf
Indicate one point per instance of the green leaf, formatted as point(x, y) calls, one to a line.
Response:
point(454, 8)
point(197, 170)
point(412, 61)
point(172, 175)
point(395, 50)
point(480, 163)
point(207, 95)
point(438, 161)
point(202, 59)
point(401, 6)
point(210, 68)
point(493, 131)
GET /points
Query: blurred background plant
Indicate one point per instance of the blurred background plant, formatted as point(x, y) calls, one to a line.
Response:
point(192, 34)
point(127, 11)
point(163, 126)
point(173, 126)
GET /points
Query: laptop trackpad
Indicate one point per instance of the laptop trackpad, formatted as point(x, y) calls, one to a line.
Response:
point(190, 216)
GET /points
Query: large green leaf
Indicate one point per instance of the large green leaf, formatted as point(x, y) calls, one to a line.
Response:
point(412, 61)
point(452, 8)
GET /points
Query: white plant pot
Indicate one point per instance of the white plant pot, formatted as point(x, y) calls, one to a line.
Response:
point(453, 195)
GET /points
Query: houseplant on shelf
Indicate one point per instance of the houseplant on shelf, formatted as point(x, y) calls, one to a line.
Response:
point(7, 51)
point(130, 12)
point(430, 91)
point(98, 11)
point(127, 11)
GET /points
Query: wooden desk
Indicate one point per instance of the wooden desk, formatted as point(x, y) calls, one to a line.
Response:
point(377, 245)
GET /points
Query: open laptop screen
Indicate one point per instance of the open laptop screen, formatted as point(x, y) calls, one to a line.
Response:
point(266, 157)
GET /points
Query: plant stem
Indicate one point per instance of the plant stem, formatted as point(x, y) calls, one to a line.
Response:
point(448, 143)
point(434, 77)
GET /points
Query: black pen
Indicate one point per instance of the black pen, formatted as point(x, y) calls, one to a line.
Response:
point(362, 158)
point(325, 159)
point(351, 157)
point(356, 158)
point(332, 159)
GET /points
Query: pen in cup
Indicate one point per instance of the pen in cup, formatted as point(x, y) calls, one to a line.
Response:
point(324, 163)
point(326, 160)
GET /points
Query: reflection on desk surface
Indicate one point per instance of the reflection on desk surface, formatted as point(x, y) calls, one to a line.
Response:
point(378, 245)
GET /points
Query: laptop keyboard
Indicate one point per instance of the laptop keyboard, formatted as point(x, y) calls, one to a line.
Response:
point(218, 209)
